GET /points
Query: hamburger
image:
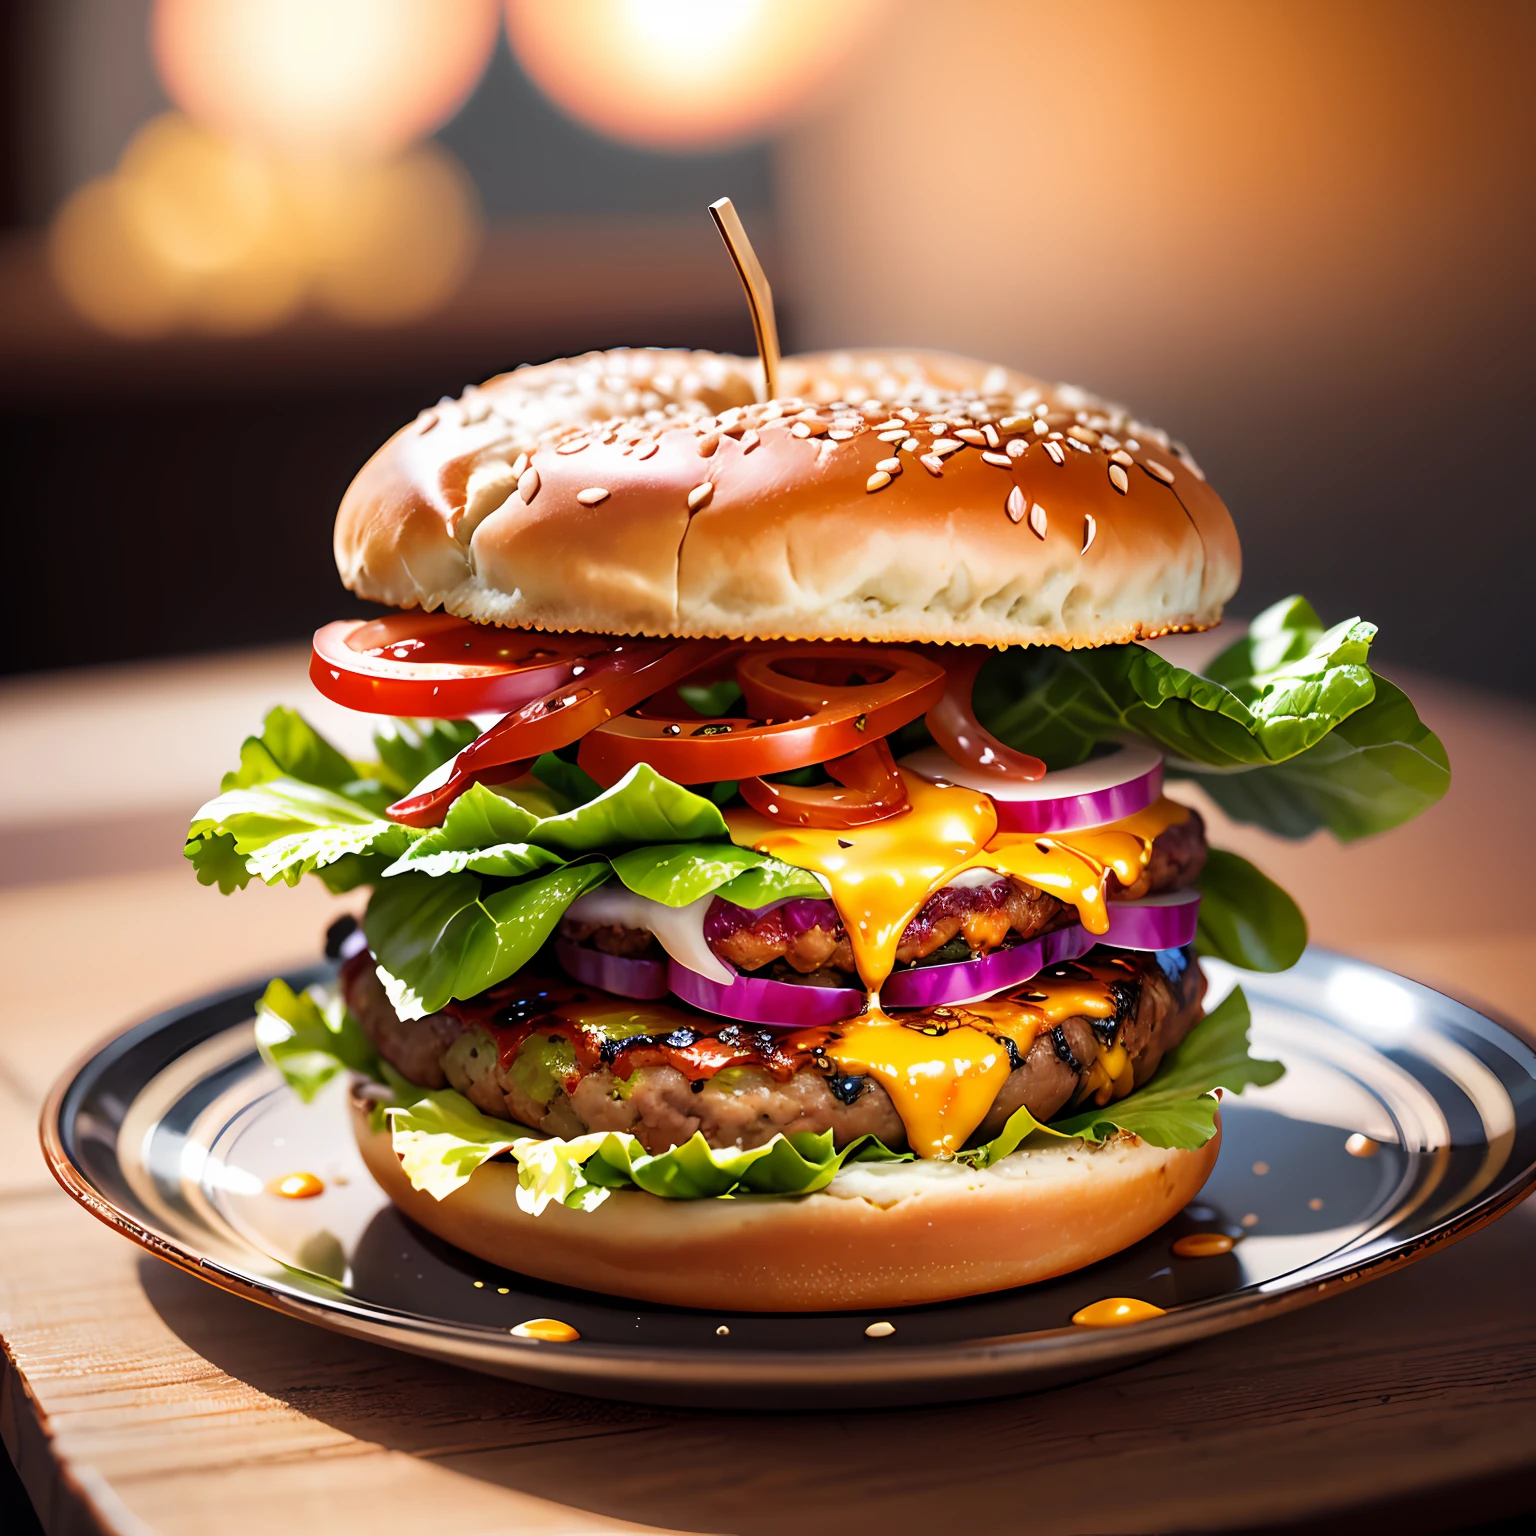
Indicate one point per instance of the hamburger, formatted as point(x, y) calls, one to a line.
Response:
point(774, 887)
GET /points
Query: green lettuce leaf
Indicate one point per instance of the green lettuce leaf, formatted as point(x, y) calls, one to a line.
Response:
point(483, 832)
point(1290, 729)
point(679, 873)
point(411, 749)
point(309, 1037)
point(571, 783)
point(441, 1138)
point(441, 937)
point(284, 828)
point(1245, 918)
point(1381, 767)
point(643, 807)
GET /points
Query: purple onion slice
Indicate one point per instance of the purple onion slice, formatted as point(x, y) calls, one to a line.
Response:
point(755, 1000)
point(967, 981)
point(643, 980)
point(1123, 781)
point(1164, 921)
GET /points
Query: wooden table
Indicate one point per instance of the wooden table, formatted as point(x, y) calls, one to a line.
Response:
point(134, 1399)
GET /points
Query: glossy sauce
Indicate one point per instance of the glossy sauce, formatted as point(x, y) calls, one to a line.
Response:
point(549, 1329)
point(296, 1186)
point(1115, 1312)
point(1203, 1245)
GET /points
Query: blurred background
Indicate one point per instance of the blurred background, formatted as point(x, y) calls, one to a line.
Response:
point(245, 239)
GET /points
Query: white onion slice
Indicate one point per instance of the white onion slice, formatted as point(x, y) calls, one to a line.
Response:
point(1126, 779)
point(679, 930)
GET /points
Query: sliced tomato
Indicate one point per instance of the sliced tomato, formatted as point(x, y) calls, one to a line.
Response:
point(868, 789)
point(440, 667)
point(953, 725)
point(630, 671)
point(811, 703)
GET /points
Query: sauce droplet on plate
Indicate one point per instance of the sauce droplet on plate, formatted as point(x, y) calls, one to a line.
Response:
point(550, 1329)
point(1362, 1146)
point(1203, 1245)
point(297, 1186)
point(1115, 1312)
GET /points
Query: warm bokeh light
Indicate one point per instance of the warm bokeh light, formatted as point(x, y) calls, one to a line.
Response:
point(327, 77)
point(684, 74)
point(196, 230)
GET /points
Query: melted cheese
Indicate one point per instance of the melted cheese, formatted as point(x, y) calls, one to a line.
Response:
point(881, 874)
point(943, 1067)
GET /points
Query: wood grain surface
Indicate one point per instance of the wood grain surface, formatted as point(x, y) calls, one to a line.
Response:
point(135, 1399)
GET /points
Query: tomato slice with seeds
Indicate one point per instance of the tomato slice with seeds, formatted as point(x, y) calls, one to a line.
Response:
point(630, 671)
point(436, 666)
point(811, 703)
point(868, 789)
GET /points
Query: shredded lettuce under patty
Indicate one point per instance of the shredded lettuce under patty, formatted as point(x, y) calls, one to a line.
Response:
point(442, 1138)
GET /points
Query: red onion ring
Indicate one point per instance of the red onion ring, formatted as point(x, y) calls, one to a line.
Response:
point(1104, 789)
point(967, 981)
point(754, 1000)
point(871, 790)
point(643, 980)
point(1165, 921)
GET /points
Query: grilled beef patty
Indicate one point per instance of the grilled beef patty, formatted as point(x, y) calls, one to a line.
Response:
point(553, 1056)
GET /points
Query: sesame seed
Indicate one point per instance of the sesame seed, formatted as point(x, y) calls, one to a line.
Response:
point(895, 435)
point(1016, 506)
point(1000, 459)
point(890, 466)
point(573, 447)
point(990, 433)
point(800, 429)
point(708, 443)
point(909, 445)
point(1037, 520)
point(880, 1330)
point(699, 496)
point(809, 428)
point(519, 464)
point(892, 425)
point(749, 440)
point(1040, 426)
point(648, 450)
point(1162, 471)
point(1090, 531)
point(592, 495)
point(841, 434)
point(1120, 456)
point(1056, 453)
point(946, 445)
point(970, 435)
point(528, 484)
point(1083, 435)
point(1119, 479)
point(938, 428)
point(1015, 423)
point(1017, 447)
point(877, 481)
point(1080, 446)
point(932, 463)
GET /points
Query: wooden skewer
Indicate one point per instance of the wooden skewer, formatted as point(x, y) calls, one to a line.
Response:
point(759, 294)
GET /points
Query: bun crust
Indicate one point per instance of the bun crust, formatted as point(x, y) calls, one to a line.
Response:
point(883, 1236)
point(727, 518)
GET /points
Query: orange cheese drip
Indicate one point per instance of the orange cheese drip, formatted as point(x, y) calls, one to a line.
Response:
point(296, 1186)
point(887, 869)
point(1115, 1312)
point(943, 1067)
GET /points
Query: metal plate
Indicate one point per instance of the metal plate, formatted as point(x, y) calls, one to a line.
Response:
point(171, 1133)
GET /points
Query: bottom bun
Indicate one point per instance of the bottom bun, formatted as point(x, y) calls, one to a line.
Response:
point(881, 1235)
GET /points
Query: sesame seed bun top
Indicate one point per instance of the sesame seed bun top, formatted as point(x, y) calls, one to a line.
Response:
point(899, 497)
